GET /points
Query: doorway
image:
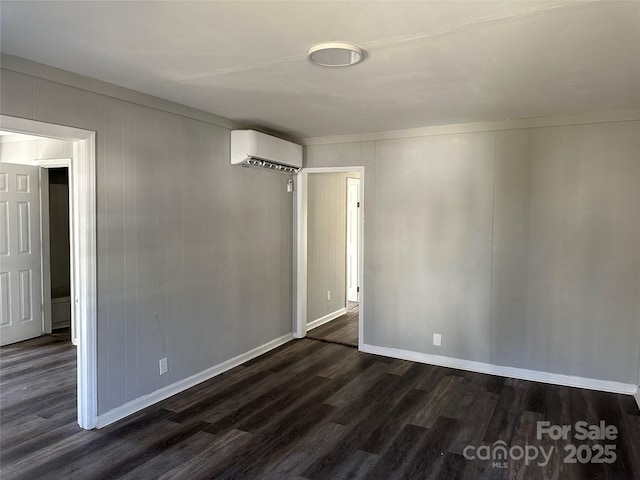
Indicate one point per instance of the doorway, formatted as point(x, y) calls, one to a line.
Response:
point(57, 271)
point(35, 241)
point(322, 238)
point(83, 255)
point(352, 213)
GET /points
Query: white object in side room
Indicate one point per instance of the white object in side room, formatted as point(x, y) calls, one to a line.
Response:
point(60, 311)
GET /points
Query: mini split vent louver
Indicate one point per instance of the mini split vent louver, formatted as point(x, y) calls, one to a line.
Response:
point(254, 149)
point(257, 162)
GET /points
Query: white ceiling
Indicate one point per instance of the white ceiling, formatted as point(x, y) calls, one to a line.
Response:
point(429, 63)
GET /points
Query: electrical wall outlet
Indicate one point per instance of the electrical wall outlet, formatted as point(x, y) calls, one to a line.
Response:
point(328, 295)
point(437, 339)
point(163, 366)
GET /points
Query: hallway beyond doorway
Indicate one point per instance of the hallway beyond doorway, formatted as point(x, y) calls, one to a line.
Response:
point(342, 330)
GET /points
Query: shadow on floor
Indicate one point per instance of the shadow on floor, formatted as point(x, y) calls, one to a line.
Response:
point(342, 330)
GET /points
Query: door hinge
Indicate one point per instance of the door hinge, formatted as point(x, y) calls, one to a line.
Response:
point(358, 289)
point(358, 204)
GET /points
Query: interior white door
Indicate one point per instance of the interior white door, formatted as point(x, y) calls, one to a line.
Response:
point(20, 268)
point(353, 204)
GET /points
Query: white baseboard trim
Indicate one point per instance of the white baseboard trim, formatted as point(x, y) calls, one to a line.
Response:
point(147, 400)
point(502, 371)
point(326, 318)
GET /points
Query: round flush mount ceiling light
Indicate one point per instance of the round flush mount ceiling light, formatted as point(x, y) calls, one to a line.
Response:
point(335, 54)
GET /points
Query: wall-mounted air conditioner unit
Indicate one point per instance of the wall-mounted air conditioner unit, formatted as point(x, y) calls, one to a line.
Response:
point(254, 149)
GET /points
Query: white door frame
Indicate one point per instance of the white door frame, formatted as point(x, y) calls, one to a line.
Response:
point(84, 253)
point(300, 231)
point(44, 233)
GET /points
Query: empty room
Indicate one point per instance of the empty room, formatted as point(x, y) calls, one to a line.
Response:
point(320, 240)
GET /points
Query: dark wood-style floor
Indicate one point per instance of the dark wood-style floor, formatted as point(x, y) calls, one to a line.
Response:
point(308, 409)
point(343, 330)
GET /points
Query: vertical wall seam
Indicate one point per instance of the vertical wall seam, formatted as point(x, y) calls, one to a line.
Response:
point(374, 241)
point(124, 235)
point(33, 98)
point(106, 245)
point(159, 354)
point(68, 105)
point(126, 152)
point(182, 216)
point(493, 228)
point(134, 161)
point(638, 331)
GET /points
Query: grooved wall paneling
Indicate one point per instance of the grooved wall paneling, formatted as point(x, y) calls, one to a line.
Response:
point(194, 255)
point(521, 247)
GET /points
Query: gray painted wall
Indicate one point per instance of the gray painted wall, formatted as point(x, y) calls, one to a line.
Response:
point(522, 247)
point(194, 255)
point(326, 243)
point(566, 269)
point(433, 243)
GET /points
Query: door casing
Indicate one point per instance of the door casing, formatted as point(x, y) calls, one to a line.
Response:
point(84, 252)
point(300, 254)
point(44, 229)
